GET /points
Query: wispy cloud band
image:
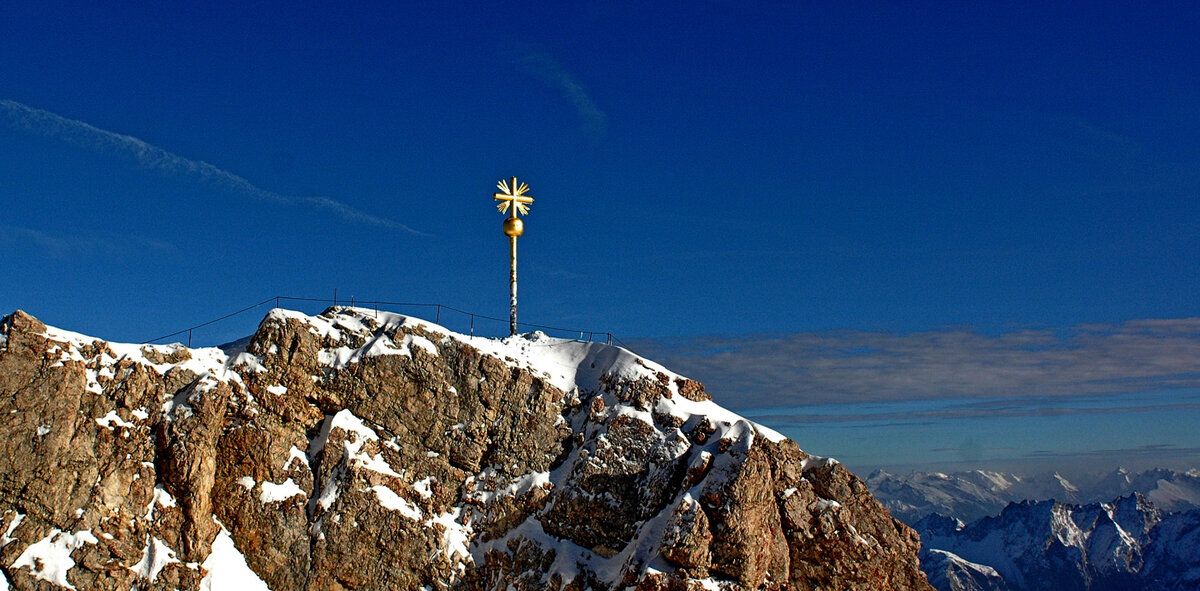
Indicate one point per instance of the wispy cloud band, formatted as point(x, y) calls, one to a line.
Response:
point(931, 411)
point(854, 366)
point(84, 135)
point(547, 68)
point(74, 246)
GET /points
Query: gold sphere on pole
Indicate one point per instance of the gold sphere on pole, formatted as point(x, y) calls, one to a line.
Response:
point(514, 227)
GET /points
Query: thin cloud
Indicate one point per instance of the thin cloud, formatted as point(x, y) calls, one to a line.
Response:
point(762, 371)
point(149, 156)
point(69, 246)
point(1011, 408)
point(550, 70)
point(1155, 451)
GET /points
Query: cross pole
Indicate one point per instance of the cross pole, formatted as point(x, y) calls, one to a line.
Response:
point(512, 196)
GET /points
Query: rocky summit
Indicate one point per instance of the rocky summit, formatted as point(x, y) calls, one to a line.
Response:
point(364, 450)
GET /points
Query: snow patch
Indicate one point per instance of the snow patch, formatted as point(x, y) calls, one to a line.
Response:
point(155, 557)
point(274, 493)
point(111, 418)
point(209, 363)
point(456, 539)
point(252, 362)
point(12, 526)
point(526, 483)
point(394, 502)
point(50, 558)
point(346, 421)
point(379, 343)
point(161, 497)
point(423, 487)
point(421, 342)
point(295, 455)
point(375, 463)
point(227, 567)
point(816, 462)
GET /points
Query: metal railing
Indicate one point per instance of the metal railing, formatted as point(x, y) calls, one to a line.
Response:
point(438, 310)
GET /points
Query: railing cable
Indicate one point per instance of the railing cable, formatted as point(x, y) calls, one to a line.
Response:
point(610, 339)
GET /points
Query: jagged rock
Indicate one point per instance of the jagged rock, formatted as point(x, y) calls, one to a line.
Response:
point(366, 450)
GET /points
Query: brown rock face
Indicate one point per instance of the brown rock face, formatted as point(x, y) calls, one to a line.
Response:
point(364, 450)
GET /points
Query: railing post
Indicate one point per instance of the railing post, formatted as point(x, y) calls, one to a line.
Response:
point(472, 325)
point(189, 338)
point(437, 318)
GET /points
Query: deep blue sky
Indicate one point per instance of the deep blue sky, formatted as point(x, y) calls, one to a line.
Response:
point(702, 168)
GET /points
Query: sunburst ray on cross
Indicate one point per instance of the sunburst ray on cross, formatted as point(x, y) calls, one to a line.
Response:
point(512, 194)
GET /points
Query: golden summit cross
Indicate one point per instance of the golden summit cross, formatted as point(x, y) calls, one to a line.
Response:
point(512, 196)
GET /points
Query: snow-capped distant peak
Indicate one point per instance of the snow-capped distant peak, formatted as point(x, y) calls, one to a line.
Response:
point(1066, 484)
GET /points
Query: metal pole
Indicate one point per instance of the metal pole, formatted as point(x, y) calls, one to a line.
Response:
point(512, 197)
point(512, 285)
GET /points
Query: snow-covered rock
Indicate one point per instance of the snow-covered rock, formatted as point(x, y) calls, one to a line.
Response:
point(365, 450)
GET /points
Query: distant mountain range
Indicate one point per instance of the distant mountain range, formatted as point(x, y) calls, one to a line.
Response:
point(969, 496)
point(1125, 545)
point(1120, 531)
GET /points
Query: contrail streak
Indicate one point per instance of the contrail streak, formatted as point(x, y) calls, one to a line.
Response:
point(84, 135)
